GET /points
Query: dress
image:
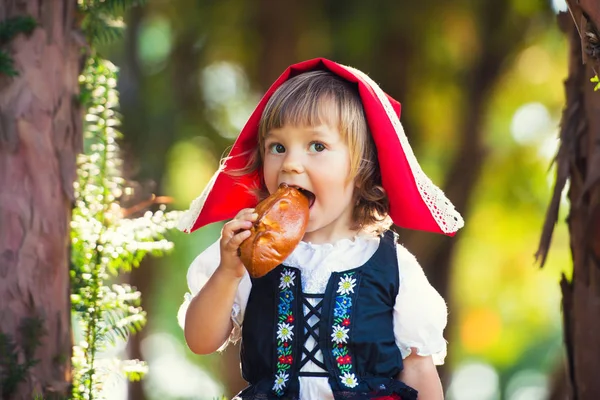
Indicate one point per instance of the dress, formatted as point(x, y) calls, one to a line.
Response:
point(419, 312)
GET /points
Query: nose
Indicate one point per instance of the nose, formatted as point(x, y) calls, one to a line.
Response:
point(292, 164)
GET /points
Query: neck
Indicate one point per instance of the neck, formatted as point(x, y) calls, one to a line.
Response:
point(330, 234)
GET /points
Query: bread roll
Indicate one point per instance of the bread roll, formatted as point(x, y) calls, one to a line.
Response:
point(281, 223)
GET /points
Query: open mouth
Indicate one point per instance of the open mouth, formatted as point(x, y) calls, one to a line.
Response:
point(308, 194)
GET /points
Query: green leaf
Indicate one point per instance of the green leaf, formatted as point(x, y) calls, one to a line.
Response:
point(596, 80)
point(7, 64)
point(13, 26)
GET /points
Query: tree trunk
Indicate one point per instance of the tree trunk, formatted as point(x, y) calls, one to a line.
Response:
point(578, 161)
point(278, 26)
point(581, 295)
point(40, 136)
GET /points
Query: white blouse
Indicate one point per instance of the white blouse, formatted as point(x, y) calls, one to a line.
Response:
point(420, 313)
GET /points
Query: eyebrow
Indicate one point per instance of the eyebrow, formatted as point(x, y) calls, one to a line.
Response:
point(268, 135)
point(312, 131)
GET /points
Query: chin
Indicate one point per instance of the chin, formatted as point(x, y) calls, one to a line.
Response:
point(310, 228)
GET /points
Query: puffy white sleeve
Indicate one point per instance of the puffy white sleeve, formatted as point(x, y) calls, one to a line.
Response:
point(420, 312)
point(198, 274)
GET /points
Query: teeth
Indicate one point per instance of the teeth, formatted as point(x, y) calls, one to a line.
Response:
point(307, 193)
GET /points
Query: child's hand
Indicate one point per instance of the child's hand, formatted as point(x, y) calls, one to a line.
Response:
point(233, 234)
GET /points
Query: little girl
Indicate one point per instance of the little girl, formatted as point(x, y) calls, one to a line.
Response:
point(349, 314)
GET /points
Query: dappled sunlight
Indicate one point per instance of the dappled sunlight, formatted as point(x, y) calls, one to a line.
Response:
point(191, 165)
point(474, 381)
point(171, 375)
point(505, 327)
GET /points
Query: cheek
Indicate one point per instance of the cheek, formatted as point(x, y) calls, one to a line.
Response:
point(270, 175)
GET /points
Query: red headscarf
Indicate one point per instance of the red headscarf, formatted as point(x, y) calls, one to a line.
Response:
point(415, 202)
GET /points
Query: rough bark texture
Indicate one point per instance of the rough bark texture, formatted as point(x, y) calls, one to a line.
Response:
point(581, 296)
point(277, 24)
point(578, 160)
point(40, 135)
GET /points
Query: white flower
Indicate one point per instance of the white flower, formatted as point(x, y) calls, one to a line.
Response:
point(287, 279)
point(340, 334)
point(349, 380)
point(284, 331)
point(280, 380)
point(346, 285)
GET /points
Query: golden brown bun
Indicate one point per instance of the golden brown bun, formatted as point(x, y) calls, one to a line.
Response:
point(281, 223)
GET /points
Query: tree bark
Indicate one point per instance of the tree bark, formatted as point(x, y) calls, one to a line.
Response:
point(278, 25)
point(578, 162)
point(40, 136)
point(581, 295)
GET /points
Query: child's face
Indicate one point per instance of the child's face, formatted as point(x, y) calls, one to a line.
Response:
point(316, 159)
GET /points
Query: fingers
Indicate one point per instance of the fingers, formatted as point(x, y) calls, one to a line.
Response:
point(237, 239)
point(234, 226)
point(237, 230)
point(232, 239)
point(243, 220)
point(248, 214)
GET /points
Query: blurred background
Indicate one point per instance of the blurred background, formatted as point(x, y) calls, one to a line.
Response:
point(481, 87)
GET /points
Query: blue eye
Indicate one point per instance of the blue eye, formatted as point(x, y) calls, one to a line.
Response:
point(317, 147)
point(276, 148)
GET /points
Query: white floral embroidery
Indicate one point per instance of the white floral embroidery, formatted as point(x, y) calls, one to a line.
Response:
point(346, 285)
point(287, 279)
point(349, 380)
point(280, 380)
point(340, 334)
point(284, 332)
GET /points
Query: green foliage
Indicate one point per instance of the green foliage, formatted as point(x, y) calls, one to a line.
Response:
point(102, 21)
point(8, 30)
point(16, 359)
point(105, 242)
point(596, 80)
point(13, 26)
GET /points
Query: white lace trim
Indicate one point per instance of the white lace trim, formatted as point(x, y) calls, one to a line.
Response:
point(236, 333)
point(438, 356)
point(188, 219)
point(315, 276)
point(442, 210)
point(447, 218)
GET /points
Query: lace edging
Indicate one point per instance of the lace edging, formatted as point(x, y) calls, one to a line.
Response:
point(189, 217)
point(441, 209)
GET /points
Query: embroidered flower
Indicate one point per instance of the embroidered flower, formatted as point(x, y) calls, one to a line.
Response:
point(340, 334)
point(285, 359)
point(342, 305)
point(287, 296)
point(280, 380)
point(284, 332)
point(349, 380)
point(346, 285)
point(344, 359)
point(346, 303)
point(341, 327)
point(283, 308)
point(287, 279)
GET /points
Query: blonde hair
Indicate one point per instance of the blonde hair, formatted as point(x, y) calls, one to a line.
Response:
point(320, 97)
